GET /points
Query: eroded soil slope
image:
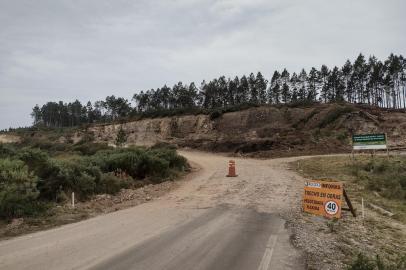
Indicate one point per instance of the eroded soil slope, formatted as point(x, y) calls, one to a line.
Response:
point(265, 131)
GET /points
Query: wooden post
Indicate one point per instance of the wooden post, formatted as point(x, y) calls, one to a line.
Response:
point(362, 208)
point(347, 200)
point(73, 199)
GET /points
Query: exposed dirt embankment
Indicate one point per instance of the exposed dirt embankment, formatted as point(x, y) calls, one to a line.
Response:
point(8, 138)
point(265, 131)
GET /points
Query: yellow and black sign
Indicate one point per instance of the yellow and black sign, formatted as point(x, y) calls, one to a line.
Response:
point(323, 198)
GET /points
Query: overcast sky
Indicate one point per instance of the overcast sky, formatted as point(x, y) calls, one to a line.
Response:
point(53, 50)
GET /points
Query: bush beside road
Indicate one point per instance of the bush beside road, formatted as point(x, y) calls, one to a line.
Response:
point(36, 185)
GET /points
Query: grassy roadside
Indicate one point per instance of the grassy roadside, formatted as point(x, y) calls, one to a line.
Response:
point(38, 176)
point(381, 182)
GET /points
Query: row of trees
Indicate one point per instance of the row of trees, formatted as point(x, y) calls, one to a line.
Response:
point(60, 114)
point(367, 81)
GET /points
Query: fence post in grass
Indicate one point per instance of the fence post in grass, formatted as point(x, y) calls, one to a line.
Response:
point(362, 207)
point(73, 199)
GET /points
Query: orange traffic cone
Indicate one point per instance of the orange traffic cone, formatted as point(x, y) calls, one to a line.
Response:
point(231, 169)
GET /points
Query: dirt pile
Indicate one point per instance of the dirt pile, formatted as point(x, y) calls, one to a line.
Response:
point(265, 131)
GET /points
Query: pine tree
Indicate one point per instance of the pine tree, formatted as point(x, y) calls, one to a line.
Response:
point(89, 112)
point(235, 90)
point(232, 91)
point(285, 77)
point(359, 77)
point(347, 73)
point(324, 77)
point(260, 85)
point(294, 82)
point(303, 80)
point(36, 114)
point(253, 89)
point(274, 90)
point(313, 84)
point(243, 90)
point(285, 92)
point(336, 86)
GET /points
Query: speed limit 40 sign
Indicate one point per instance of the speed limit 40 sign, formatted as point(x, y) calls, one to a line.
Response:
point(323, 198)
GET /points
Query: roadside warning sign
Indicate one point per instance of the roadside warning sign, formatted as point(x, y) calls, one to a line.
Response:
point(323, 198)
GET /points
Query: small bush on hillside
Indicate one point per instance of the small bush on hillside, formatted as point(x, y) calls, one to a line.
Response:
point(36, 160)
point(86, 138)
point(49, 145)
point(7, 150)
point(139, 163)
point(111, 184)
point(362, 263)
point(215, 114)
point(175, 161)
point(342, 136)
point(163, 145)
point(89, 149)
point(18, 189)
point(121, 138)
point(333, 115)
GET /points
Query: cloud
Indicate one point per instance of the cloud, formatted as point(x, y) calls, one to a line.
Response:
point(63, 50)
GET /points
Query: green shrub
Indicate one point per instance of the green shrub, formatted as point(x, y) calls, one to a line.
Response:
point(86, 138)
point(121, 138)
point(68, 176)
point(40, 163)
point(7, 150)
point(90, 148)
point(18, 189)
point(341, 136)
point(362, 263)
point(32, 177)
point(216, 114)
point(163, 145)
point(111, 184)
point(139, 163)
point(175, 161)
point(333, 115)
point(382, 166)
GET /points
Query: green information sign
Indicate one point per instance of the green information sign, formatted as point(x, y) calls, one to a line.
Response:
point(369, 141)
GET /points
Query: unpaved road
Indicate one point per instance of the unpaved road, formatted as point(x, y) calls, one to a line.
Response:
point(209, 222)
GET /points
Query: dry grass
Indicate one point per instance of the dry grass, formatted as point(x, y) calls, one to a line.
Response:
point(358, 180)
point(377, 234)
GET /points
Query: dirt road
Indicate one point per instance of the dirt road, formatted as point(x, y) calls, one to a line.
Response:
point(210, 222)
